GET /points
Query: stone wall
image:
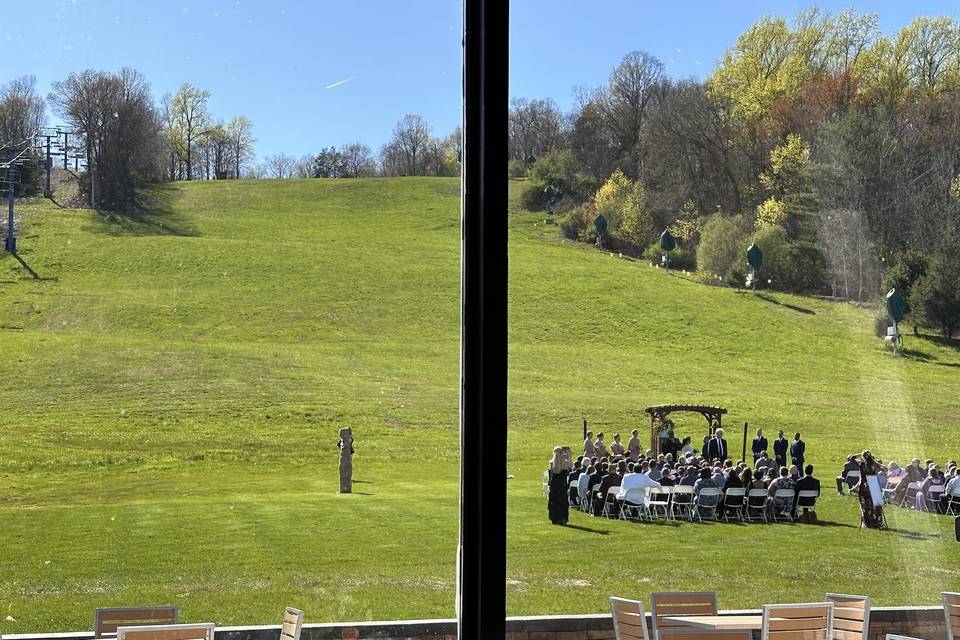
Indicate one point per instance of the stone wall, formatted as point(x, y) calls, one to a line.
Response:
point(920, 622)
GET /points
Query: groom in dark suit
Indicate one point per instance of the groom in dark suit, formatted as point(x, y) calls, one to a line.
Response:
point(797, 450)
point(780, 446)
point(717, 446)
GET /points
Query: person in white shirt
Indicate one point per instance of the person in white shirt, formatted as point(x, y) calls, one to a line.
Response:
point(638, 482)
point(583, 482)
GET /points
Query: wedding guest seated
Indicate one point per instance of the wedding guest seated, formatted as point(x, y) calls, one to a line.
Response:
point(690, 476)
point(781, 505)
point(612, 479)
point(583, 482)
point(705, 481)
point(850, 465)
point(794, 472)
point(760, 479)
point(765, 462)
point(806, 483)
point(933, 479)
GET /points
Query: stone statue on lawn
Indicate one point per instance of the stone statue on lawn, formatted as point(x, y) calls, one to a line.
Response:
point(346, 460)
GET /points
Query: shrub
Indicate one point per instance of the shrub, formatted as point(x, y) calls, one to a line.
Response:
point(517, 169)
point(680, 258)
point(573, 225)
point(880, 323)
point(723, 244)
point(791, 265)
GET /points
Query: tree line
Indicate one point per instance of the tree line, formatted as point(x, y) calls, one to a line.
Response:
point(834, 147)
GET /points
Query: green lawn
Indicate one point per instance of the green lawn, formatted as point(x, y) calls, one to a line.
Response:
point(172, 386)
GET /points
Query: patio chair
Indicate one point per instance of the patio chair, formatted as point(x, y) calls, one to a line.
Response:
point(757, 505)
point(932, 499)
point(681, 502)
point(292, 623)
point(806, 621)
point(106, 620)
point(200, 631)
point(951, 613)
point(890, 491)
point(679, 604)
point(894, 636)
point(851, 616)
point(784, 495)
point(733, 500)
point(629, 623)
point(658, 499)
point(634, 500)
point(706, 503)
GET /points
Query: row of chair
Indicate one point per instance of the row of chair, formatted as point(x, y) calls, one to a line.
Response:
point(839, 617)
point(931, 498)
point(679, 501)
point(161, 623)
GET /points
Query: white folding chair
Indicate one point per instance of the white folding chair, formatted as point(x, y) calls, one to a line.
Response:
point(851, 478)
point(757, 505)
point(545, 486)
point(807, 499)
point(633, 500)
point(783, 495)
point(890, 491)
point(909, 494)
point(570, 487)
point(733, 499)
point(610, 502)
point(953, 503)
point(706, 503)
point(658, 499)
point(932, 499)
point(681, 501)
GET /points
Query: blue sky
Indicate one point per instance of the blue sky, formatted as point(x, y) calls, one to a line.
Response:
point(312, 73)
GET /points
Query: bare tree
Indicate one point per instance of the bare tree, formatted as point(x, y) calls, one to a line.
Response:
point(358, 159)
point(280, 165)
point(409, 145)
point(21, 110)
point(303, 168)
point(240, 130)
point(191, 119)
point(535, 127)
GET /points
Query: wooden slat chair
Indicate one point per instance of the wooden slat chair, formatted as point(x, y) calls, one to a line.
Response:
point(893, 636)
point(685, 603)
point(292, 623)
point(951, 614)
point(851, 616)
point(200, 631)
point(106, 620)
point(629, 623)
point(807, 621)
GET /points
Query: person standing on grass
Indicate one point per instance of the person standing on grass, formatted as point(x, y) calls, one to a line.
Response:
point(588, 451)
point(759, 446)
point(633, 446)
point(600, 447)
point(797, 449)
point(872, 513)
point(780, 446)
point(617, 447)
point(558, 503)
point(717, 447)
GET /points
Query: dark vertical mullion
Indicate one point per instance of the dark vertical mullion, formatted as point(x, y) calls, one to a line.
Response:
point(482, 550)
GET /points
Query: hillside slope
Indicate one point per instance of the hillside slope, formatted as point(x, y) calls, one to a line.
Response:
point(173, 383)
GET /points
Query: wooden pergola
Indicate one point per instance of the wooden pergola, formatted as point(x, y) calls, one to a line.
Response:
point(658, 414)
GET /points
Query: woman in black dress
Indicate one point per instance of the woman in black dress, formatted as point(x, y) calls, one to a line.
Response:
point(872, 513)
point(558, 505)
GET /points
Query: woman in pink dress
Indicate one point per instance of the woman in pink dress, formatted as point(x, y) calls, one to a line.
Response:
point(588, 450)
point(616, 448)
point(600, 446)
point(633, 446)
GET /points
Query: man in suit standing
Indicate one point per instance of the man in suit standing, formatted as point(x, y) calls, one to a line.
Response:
point(717, 447)
point(780, 446)
point(806, 483)
point(759, 446)
point(797, 448)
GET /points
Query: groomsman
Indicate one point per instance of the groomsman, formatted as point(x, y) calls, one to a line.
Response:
point(759, 446)
point(780, 446)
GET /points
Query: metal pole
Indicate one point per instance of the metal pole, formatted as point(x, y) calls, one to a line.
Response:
point(584, 429)
point(49, 165)
point(66, 148)
point(482, 548)
point(744, 457)
point(11, 244)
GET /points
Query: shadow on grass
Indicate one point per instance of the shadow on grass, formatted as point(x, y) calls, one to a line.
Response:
point(792, 307)
point(912, 535)
point(587, 529)
point(29, 269)
point(152, 214)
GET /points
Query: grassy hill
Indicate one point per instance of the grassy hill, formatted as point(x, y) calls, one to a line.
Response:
point(172, 384)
